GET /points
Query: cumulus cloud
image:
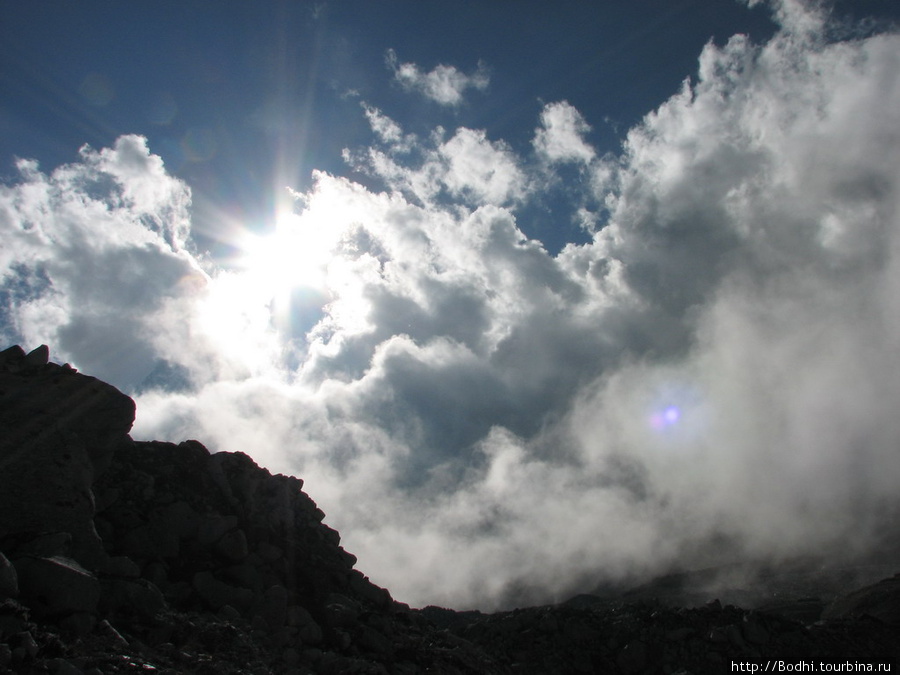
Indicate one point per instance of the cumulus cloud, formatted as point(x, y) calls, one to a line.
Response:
point(486, 423)
point(560, 138)
point(96, 251)
point(444, 84)
point(468, 166)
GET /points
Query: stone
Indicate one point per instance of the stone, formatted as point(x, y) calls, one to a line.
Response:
point(246, 574)
point(371, 640)
point(13, 618)
point(363, 587)
point(157, 573)
point(274, 607)
point(753, 630)
point(78, 624)
point(213, 527)
point(218, 594)
point(11, 356)
point(229, 613)
point(880, 600)
point(106, 629)
point(307, 629)
point(47, 545)
point(58, 431)
point(56, 586)
point(269, 552)
point(141, 543)
point(178, 518)
point(633, 657)
point(28, 644)
point(37, 357)
point(120, 566)
point(63, 667)
point(291, 657)
point(9, 579)
point(679, 634)
point(233, 546)
point(137, 595)
point(717, 635)
point(339, 616)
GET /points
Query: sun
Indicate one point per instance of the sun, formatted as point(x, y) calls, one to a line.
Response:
point(296, 254)
point(278, 282)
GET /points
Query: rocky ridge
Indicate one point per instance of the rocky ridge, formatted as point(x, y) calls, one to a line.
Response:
point(118, 556)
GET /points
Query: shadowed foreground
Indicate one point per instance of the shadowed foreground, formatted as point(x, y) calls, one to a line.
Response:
point(119, 556)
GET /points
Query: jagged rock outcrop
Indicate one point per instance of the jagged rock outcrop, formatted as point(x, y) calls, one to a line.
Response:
point(60, 431)
point(119, 556)
point(204, 562)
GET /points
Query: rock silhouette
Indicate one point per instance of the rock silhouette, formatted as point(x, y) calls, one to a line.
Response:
point(119, 556)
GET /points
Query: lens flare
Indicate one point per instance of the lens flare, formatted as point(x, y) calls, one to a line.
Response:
point(665, 418)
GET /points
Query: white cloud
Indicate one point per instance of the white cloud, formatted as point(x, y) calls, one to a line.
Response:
point(561, 135)
point(444, 84)
point(468, 166)
point(388, 131)
point(713, 367)
point(98, 246)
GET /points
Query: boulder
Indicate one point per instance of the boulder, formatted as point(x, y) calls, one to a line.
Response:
point(213, 527)
point(58, 431)
point(56, 586)
point(217, 593)
point(233, 546)
point(9, 580)
point(137, 595)
point(308, 629)
point(880, 600)
point(274, 606)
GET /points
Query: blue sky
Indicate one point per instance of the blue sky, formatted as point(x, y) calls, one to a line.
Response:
point(530, 296)
point(238, 100)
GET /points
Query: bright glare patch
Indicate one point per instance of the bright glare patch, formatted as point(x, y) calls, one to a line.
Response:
point(295, 255)
point(250, 308)
point(665, 418)
point(237, 322)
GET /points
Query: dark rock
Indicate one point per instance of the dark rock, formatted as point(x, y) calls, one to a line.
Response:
point(120, 566)
point(362, 587)
point(274, 607)
point(229, 613)
point(233, 545)
point(178, 518)
point(13, 618)
point(78, 624)
point(47, 545)
point(59, 430)
point(754, 630)
point(63, 667)
point(27, 644)
point(9, 580)
point(880, 600)
point(107, 630)
point(213, 527)
point(37, 357)
point(12, 357)
point(218, 594)
point(136, 595)
point(307, 629)
point(56, 586)
point(371, 640)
